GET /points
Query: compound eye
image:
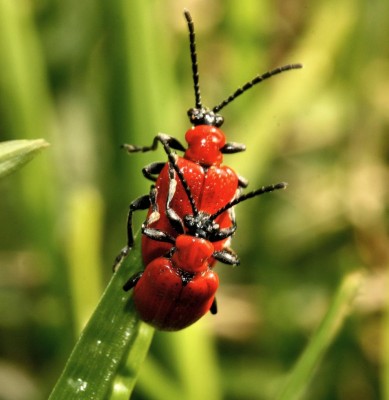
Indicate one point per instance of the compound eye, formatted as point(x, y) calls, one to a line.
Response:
point(219, 120)
point(204, 116)
point(196, 116)
point(192, 114)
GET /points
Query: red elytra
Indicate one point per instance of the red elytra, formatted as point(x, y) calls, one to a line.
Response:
point(173, 293)
point(211, 189)
point(177, 289)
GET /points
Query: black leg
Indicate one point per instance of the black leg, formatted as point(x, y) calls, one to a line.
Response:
point(152, 170)
point(232, 147)
point(141, 203)
point(223, 233)
point(243, 182)
point(213, 308)
point(227, 256)
point(172, 142)
point(131, 283)
point(157, 235)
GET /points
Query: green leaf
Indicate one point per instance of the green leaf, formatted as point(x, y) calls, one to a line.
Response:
point(112, 347)
point(15, 153)
point(331, 324)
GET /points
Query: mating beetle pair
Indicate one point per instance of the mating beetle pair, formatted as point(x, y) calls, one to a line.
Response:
point(190, 217)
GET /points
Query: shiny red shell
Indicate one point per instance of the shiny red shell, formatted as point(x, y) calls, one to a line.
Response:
point(211, 184)
point(163, 299)
point(211, 189)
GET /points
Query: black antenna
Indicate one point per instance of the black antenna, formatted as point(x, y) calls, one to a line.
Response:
point(185, 186)
point(172, 160)
point(257, 79)
point(193, 56)
point(243, 197)
point(232, 203)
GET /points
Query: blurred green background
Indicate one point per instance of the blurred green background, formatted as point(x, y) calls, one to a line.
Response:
point(88, 76)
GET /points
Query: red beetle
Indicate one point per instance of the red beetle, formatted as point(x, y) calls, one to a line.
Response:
point(177, 289)
point(212, 185)
point(210, 190)
point(174, 292)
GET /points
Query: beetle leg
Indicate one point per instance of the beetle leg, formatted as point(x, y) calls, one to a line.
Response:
point(149, 171)
point(131, 283)
point(232, 147)
point(223, 233)
point(154, 215)
point(213, 308)
point(157, 235)
point(242, 182)
point(172, 142)
point(140, 203)
point(227, 256)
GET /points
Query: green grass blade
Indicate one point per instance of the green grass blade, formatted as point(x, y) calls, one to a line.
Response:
point(327, 331)
point(164, 385)
point(15, 153)
point(84, 240)
point(385, 351)
point(127, 375)
point(196, 362)
point(100, 354)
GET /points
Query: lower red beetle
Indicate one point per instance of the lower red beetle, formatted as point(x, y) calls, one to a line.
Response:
point(175, 291)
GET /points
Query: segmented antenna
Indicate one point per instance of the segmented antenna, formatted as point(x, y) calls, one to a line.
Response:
point(257, 79)
point(246, 196)
point(185, 186)
point(193, 56)
point(201, 115)
point(173, 161)
point(232, 203)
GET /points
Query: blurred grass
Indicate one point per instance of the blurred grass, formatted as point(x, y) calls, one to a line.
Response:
point(88, 76)
point(342, 303)
point(15, 153)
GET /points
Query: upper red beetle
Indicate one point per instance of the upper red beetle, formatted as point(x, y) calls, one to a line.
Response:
point(212, 185)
